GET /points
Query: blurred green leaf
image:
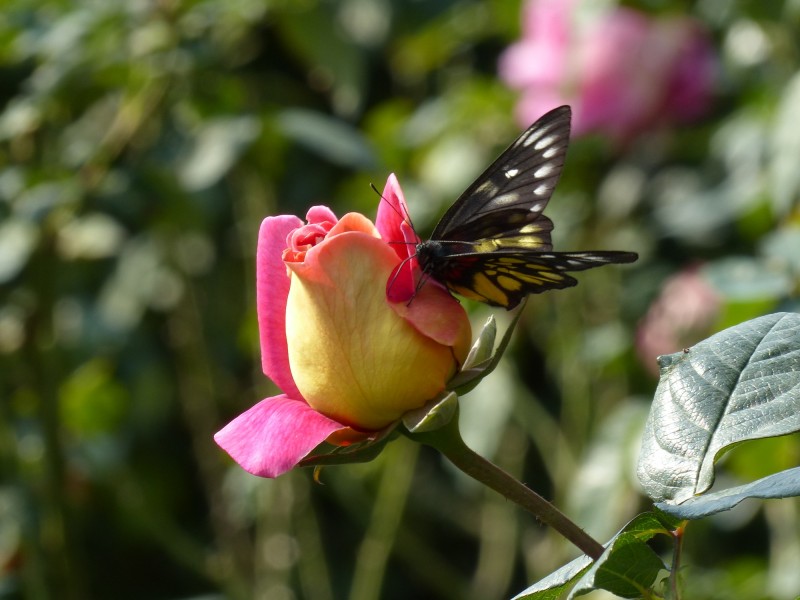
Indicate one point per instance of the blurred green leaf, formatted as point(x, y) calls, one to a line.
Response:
point(334, 63)
point(92, 402)
point(783, 247)
point(785, 176)
point(757, 458)
point(218, 143)
point(90, 236)
point(17, 241)
point(743, 278)
point(37, 201)
point(599, 496)
point(331, 138)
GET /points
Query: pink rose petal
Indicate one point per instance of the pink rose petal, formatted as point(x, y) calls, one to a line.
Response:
point(320, 214)
point(272, 289)
point(274, 435)
point(395, 227)
point(392, 215)
point(402, 283)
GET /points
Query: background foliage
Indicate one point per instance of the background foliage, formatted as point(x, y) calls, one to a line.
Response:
point(141, 144)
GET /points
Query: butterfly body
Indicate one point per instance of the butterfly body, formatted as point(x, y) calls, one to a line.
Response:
point(493, 244)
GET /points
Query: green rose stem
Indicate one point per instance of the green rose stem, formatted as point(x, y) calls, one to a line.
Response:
point(447, 440)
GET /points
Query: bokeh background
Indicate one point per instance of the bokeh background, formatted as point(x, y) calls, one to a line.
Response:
point(142, 143)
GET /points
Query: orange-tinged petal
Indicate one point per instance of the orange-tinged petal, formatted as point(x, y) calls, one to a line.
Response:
point(354, 222)
point(352, 356)
point(436, 314)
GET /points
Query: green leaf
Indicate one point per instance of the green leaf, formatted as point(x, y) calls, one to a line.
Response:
point(626, 568)
point(740, 384)
point(779, 485)
point(558, 582)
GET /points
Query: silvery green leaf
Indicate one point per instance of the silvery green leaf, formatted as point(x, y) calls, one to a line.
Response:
point(778, 485)
point(740, 384)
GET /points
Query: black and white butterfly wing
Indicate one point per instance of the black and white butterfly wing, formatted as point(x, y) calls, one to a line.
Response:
point(511, 194)
point(493, 245)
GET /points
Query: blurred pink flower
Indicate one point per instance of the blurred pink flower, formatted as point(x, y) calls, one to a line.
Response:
point(621, 71)
point(683, 314)
point(349, 361)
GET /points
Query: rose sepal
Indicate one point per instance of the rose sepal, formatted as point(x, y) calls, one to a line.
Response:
point(360, 452)
point(435, 414)
point(483, 358)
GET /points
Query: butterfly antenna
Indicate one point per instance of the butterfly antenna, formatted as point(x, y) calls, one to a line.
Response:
point(407, 219)
point(403, 215)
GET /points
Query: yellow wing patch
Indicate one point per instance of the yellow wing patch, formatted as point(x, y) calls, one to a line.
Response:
point(526, 240)
point(506, 280)
point(483, 286)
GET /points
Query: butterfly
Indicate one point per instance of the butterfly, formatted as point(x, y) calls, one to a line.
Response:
point(493, 244)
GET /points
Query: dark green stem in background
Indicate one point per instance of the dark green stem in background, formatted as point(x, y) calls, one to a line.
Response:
point(447, 440)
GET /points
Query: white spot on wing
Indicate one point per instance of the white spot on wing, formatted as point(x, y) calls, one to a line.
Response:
point(550, 152)
point(508, 198)
point(537, 207)
point(541, 190)
point(543, 171)
point(544, 142)
point(487, 187)
point(511, 173)
point(532, 139)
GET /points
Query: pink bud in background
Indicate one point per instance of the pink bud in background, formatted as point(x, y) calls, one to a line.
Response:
point(682, 314)
point(622, 71)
